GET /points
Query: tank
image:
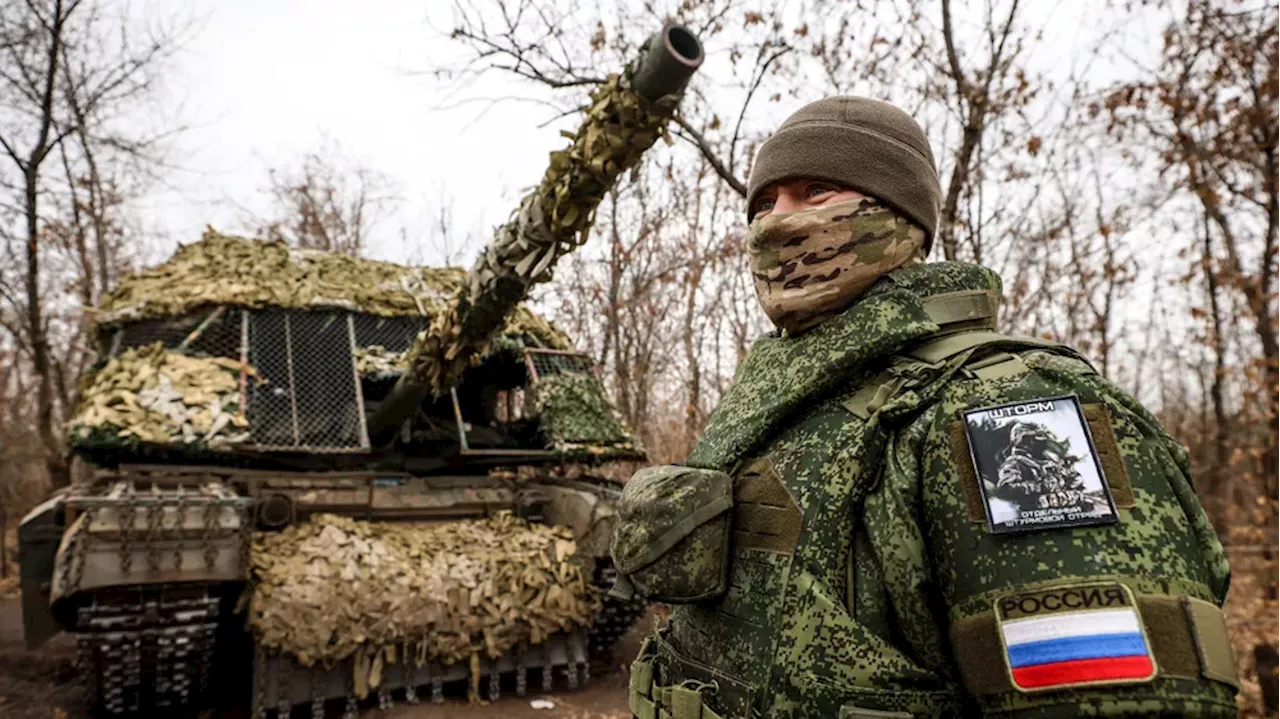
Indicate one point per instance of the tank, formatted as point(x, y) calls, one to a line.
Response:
point(305, 477)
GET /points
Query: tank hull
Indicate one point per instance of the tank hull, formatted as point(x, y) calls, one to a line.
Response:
point(146, 565)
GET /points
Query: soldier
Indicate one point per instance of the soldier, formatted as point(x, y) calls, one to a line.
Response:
point(825, 545)
point(1037, 470)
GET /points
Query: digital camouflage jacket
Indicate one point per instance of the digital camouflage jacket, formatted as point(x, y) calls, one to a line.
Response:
point(873, 573)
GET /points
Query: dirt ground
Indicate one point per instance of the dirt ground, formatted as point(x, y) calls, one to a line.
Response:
point(36, 683)
point(43, 684)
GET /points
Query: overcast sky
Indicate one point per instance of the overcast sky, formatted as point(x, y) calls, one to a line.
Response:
point(262, 83)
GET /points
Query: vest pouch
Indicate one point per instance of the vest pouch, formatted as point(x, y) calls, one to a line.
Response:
point(671, 541)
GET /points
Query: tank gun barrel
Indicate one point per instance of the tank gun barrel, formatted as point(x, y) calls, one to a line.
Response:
point(627, 114)
point(672, 56)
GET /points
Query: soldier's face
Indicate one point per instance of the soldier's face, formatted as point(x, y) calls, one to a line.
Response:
point(788, 196)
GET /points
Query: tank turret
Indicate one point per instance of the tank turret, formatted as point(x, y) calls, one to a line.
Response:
point(386, 473)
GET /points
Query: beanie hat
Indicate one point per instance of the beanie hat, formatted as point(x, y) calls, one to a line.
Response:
point(859, 143)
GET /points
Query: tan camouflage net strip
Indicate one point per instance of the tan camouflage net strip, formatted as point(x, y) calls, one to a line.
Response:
point(378, 361)
point(227, 270)
point(553, 220)
point(577, 418)
point(447, 592)
point(148, 394)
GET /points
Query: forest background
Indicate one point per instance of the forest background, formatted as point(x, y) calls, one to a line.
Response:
point(1115, 161)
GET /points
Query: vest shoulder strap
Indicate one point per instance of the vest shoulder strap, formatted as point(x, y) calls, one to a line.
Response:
point(947, 346)
point(963, 310)
point(992, 355)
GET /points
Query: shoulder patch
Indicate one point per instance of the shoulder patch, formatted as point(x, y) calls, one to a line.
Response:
point(1036, 466)
point(1073, 636)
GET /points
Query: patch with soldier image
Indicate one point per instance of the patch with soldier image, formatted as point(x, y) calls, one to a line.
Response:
point(1037, 466)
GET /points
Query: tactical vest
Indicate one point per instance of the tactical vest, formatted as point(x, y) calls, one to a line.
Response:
point(804, 628)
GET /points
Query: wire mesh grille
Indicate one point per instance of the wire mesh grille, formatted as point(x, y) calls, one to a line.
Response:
point(270, 401)
point(325, 387)
point(394, 334)
point(310, 399)
point(214, 332)
point(547, 364)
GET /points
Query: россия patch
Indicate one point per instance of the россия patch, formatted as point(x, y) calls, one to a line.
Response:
point(1074, 636)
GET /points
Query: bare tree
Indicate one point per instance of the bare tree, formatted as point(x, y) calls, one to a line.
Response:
point(976, 102)
point(324, 202)
point(772, 53)
point(67, 69)
point(443, 233)
point(33, 37)
point(1216, 473)
point(1209, 112)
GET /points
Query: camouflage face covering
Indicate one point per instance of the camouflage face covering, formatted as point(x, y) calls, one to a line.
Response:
point(811, 264)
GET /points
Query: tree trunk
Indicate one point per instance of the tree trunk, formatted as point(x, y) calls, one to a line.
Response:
point(1216, 492)
point(38, 338)
point(97, 208)
point(613, 291)
point(693, 383)
point(959, 176)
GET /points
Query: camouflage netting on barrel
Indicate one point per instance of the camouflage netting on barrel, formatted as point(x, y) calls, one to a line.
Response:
point(551, 221)
point(148, 394)
point(226, 270)
point(336, 587)
point(576, 417)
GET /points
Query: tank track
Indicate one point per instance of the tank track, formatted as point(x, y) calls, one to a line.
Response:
point(142, 649)
point(281, 683)
point(615, 618)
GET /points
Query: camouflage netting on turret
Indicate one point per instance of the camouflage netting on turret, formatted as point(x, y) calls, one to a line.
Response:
point(148, 394)
point(577, 418)
point(227, 270)
point(336, 587)
point(379, 362)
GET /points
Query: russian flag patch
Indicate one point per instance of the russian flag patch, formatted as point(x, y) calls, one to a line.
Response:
point(1074, 636)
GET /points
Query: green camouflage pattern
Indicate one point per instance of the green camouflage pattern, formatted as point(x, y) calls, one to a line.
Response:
point(858, 615)
point(781, 375)
point(672, 538)
point(576, 418)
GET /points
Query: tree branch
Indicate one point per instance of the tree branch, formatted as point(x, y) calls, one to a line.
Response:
point(953, 58)
point(755, 85)
point(692, 135)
